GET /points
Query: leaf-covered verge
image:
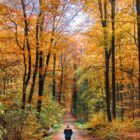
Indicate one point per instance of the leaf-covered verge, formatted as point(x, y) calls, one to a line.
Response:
point(116, 130)
point(19, 124)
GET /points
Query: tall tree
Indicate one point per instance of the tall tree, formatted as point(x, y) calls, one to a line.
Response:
point(74, 94)
point(113, 2)
point(103, 13)
point(42, 70)
point(27, 71)
point(138, 26)
point(53, 44)
point(36, 57)
point(61, 78)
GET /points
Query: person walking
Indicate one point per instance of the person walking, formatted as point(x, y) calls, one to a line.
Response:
point(68, 132)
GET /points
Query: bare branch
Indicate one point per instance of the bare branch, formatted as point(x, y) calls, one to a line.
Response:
point(16, 32)
point(69, 20)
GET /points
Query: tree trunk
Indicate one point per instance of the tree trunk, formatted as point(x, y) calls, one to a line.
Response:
point(138, 24)
point(33, 79)
point(75, 97)
point(42, 69)
point(107, 86)
point(61, 80)
point(27, 71)
point(42, 76)
point(36, 61)
point(54, 80)
point(41, 82)
point(113, 61)
point(26, 35)
point(103, 13)
point(24, 84)
point(23, 95)
point(107, 58)
point(53, 44)
point(121, 88)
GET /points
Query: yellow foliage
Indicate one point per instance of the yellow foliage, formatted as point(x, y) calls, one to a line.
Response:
point(116, 130)
point(97, 120)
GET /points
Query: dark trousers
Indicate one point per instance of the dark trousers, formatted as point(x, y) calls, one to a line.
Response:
point(68, 138)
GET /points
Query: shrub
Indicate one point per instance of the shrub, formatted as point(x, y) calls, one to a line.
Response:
point(39, 128)
point(115, 130)
point(11, 122)
point(98, 120)
point(51, 114)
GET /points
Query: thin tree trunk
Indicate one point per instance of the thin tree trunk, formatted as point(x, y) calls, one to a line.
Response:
point(107, 58)
point(61, 81)
point(53, 44)
point(33, 79)
point(27, 71)
point(26, 35)
point(24, 84)
point(138, 24)
point(132, 89)
point(75, 97)
point(42, 76)
point(103, 13)
point(36, 61)
point(113, 61)
point(107, 89)
point(41, 82)
point(54, 80)
point(42, 69)
point(121, 88)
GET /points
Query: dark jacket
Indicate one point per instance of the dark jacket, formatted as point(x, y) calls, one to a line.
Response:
point(68, 133)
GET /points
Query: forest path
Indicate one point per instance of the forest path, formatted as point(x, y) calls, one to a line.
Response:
point(69, 119)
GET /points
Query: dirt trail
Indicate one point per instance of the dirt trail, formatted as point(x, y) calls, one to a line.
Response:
point(69, 119)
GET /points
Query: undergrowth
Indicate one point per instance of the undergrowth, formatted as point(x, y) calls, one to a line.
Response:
point(115, 130)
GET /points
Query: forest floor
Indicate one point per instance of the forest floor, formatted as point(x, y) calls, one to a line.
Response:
point(77, 134)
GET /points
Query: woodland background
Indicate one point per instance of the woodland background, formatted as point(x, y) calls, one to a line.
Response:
point(50, 62)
